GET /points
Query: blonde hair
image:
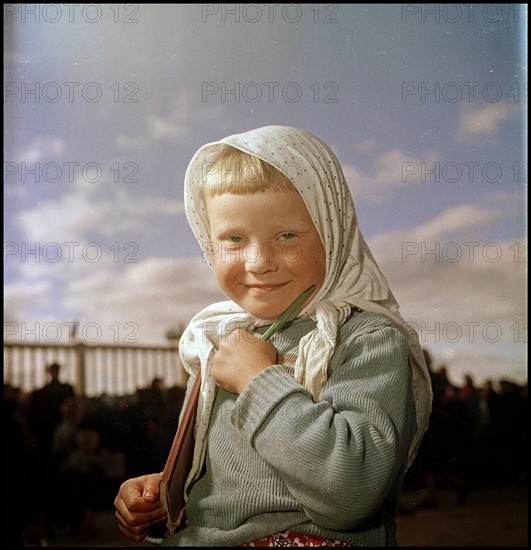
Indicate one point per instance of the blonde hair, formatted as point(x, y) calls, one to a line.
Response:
point(238, 172)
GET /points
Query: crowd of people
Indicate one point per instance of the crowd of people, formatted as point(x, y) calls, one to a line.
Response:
point(477, 436)
point(66, 455)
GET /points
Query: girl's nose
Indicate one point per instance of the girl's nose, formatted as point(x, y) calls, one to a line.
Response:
point(260, 258)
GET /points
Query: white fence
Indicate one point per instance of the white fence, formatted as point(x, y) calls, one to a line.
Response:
point(92, 369)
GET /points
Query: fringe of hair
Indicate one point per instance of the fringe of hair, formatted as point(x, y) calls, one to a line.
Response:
point(238, 172)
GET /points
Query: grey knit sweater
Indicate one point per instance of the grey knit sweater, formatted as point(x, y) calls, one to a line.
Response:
point(276, 460)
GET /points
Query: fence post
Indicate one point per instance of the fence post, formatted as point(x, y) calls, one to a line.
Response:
point(81, 368)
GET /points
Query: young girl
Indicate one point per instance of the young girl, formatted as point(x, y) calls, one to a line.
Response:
point(303, 440)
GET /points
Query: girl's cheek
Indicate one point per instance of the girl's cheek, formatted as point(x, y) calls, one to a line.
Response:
point(225, 268)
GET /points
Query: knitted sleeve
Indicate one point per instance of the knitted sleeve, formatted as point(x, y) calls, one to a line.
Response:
point(340, 456)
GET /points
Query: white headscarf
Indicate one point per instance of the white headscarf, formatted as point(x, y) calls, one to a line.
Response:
point(352, 275)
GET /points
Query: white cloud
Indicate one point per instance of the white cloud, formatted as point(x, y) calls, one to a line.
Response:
point(41, 148)
point(390, 170)
point(161, 128)
point(65, 219)
point(154, 295)
point(141, 302)
point(19, 297)
point(479, 122)
point(88, 229)
point(177, 124)
point(130, 142)
point(93, 209)
point(459, 220)
point(464, 294)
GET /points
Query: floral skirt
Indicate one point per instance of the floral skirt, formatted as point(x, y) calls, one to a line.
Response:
point(290, 538)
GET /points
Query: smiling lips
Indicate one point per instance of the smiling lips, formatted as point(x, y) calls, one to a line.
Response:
point(264, 288)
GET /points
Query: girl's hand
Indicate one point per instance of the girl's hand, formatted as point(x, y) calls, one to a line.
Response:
point(240, 358)
point(138, 507)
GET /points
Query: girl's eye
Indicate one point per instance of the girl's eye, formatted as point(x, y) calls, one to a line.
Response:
point(287, 236)
point(234, 239)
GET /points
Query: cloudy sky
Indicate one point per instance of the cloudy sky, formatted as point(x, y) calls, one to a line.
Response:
point(424, 105)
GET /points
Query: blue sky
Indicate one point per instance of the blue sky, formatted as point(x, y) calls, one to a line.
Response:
point(425, 105)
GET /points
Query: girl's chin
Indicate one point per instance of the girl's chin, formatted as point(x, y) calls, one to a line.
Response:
point(264, 315)
point(264, 312)
point(267, 307)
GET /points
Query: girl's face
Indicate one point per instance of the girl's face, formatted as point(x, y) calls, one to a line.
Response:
point(266, 250)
